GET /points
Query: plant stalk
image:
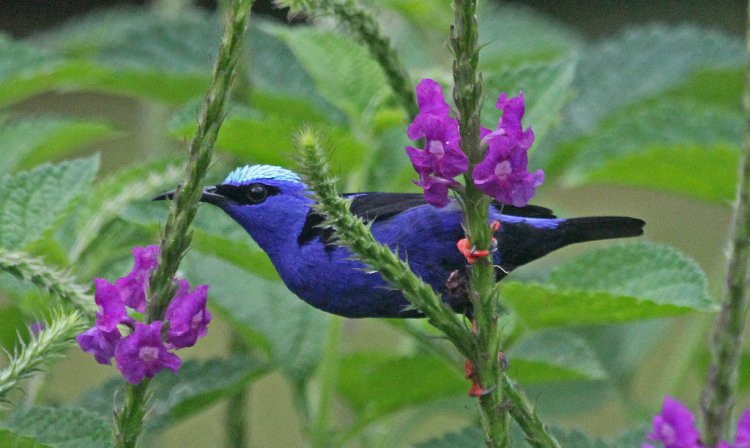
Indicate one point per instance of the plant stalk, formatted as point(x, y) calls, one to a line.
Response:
point(467, 95)
point(720, 392)
point(176, 238)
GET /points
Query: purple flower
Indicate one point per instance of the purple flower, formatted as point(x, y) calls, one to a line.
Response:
point(675, 426)
point(441, 159)
point(112, 308)
point(100, 343)
point(133, 286)
point(187, 315)
point(503, 174)
point(742, 439)
point(143, 354)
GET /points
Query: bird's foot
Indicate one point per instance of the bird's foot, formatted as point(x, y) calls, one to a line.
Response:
point(471, 253)
point(476, 390)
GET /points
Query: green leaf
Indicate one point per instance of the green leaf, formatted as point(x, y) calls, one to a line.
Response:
point(196, 386)
point(511, 34)
point(32, 201)
point(377, 384)
point(661, 126)
point(62, 427)
point(110, 197)
point(648, 60)
point(546, 87)
point(14, 325)
point(619, 283)
point(153, 56)
point(681, 170)
point(29, 141)
point(265, 313)
point(468, 437)
point(326, 56)
point(554, 355)
point(10, 439)
point(254, 137)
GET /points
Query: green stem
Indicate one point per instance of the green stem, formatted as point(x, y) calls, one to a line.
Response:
point(236, 416)
point(176, 238)
point(721, 388)
point(329, 370)
point(366, 29)
point(522, 412)
point(467, 95)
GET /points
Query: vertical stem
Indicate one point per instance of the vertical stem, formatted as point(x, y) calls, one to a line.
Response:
point(321, 431)
point(467, 95)
point(720, 391)
point(176, 238)
point(236, 415)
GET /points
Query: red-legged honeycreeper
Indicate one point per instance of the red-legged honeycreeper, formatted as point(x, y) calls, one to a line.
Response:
point(273, 205)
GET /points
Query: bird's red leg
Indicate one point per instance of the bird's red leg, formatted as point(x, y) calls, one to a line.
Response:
point(472, 254)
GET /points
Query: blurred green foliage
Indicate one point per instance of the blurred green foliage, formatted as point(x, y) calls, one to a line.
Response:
point(652, 108)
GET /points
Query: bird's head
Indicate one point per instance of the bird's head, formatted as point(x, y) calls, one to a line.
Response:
point(268, 201)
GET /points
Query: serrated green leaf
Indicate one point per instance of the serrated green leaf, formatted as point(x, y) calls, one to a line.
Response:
point(546, 87)
point(30, 141)
point(10, 439)
point(664, 124)
point(266, 314)
point(326, 56)
point(648, 60)
point(469, 437)
point(619, 283)
point(197, 385)
point(32, 201)
point(554, 355)
point(377, 384)
point(62, 427)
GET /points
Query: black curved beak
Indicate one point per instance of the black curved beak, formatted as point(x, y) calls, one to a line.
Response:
point(209, 195)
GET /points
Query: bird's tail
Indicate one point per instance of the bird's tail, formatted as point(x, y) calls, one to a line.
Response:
point(579, 230)
point(521, 243)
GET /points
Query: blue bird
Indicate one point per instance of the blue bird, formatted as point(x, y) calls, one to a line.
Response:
point(273, 205)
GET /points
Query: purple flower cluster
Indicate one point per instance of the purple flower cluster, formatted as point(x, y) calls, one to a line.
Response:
point(143, 352)
point(675, 427)
point(503, 174)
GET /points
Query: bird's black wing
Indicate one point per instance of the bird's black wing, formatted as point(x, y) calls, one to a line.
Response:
point(373, 206)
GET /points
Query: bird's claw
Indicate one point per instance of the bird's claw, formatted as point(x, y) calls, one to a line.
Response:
point(476, 390)
point(471, 253)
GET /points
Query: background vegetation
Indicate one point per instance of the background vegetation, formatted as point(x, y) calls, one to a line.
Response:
point(646, 122)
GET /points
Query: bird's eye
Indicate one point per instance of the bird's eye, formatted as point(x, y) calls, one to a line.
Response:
point(257, 193)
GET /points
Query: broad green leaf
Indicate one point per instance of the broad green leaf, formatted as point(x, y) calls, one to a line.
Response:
point(62, 427)
point(327, 56)
point(163, 58)
point(253, 137)
point(660, 125)
point(32, 201)
point(469, 437)
point(642, 62)
point(700, 172)
point(553, 355)
point(546, 87)
point(10, 439)
point(619, 283)
point(29, 141)
point(716, 87)
point(510, 34)
point(377, 384)
point(265, 313)
point(196, 386)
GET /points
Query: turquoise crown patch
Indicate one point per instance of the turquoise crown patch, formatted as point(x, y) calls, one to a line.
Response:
point(247, 173)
